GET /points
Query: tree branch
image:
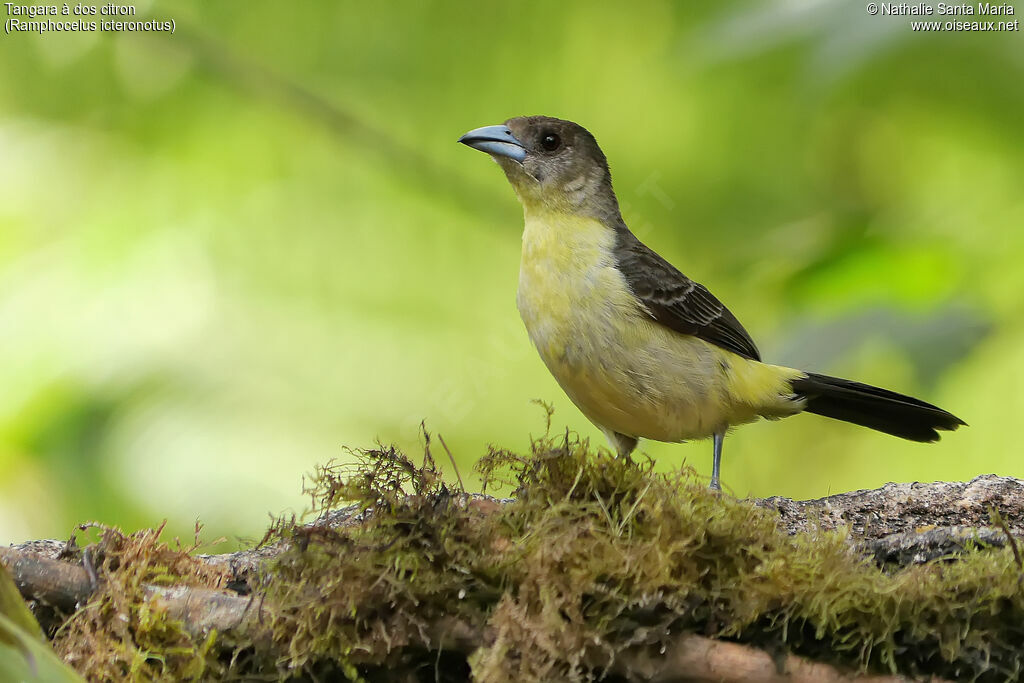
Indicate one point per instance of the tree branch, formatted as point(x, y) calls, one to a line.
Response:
point(898, 523)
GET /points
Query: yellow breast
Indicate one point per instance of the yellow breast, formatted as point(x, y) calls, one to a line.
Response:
point(569, 288)
point(625, 372)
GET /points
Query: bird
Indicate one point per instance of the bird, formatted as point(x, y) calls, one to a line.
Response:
point(642, 350)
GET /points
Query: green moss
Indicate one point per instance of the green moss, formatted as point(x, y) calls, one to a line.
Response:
point(598, 553)
point(119, 634)
point(363, 594)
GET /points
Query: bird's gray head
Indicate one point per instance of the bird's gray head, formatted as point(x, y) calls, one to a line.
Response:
point(551, 163)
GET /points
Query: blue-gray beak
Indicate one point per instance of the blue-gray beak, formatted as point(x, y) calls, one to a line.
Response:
point(496, 140)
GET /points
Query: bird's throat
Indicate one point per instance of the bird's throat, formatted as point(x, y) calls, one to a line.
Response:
point(566, 277)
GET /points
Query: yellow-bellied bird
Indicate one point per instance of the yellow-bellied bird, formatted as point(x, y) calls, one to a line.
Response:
point(642, 350)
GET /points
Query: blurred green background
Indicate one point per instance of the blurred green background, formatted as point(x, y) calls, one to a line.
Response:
point(227, 253)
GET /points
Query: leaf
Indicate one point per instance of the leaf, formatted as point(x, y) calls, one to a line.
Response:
point(24, 652)
point(14, 608)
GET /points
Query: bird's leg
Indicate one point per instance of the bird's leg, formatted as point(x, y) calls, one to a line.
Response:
point(716, 464)
point(622, 444)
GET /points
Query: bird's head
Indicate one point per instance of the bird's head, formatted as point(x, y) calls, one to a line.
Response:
point(551, 163)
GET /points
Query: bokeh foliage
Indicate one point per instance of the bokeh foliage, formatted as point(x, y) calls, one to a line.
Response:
point(226, 253)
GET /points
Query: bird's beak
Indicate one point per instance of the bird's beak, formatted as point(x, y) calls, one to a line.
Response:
point(495, 140)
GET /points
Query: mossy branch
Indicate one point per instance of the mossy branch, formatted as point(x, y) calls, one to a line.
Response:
point(597, 569)
point(202, 611)
point(66, 585)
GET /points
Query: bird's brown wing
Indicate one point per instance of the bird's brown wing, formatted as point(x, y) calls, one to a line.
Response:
point(676, 301)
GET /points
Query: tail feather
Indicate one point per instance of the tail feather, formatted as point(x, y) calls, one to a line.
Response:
point(875, 408)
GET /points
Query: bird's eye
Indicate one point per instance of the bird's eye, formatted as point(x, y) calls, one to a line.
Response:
point(550, 142)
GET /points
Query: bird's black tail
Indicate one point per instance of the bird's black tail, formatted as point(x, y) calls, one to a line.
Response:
point(868, 406)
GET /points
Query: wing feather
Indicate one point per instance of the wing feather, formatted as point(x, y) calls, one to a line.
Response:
point(676, 301)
